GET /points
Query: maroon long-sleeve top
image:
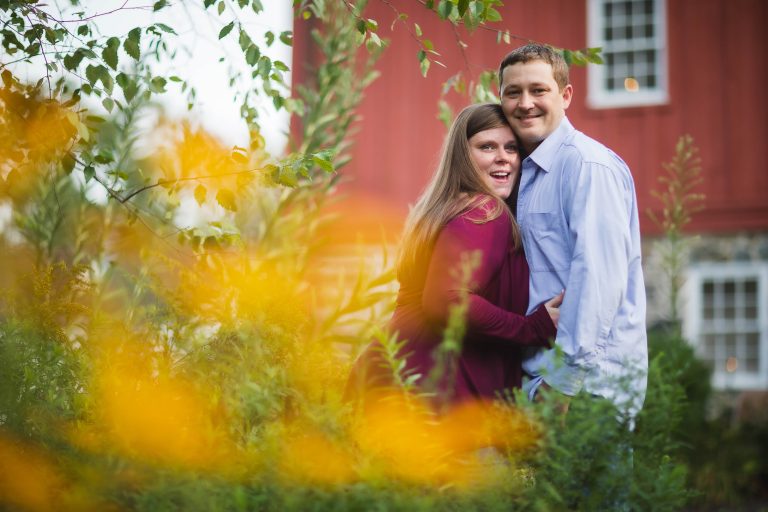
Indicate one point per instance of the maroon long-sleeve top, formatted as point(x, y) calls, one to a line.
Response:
point(496, 328)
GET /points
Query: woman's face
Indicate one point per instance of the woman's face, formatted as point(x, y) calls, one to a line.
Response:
point(495, 154)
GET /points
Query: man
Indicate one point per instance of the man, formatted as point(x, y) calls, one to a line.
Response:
point(577, 210)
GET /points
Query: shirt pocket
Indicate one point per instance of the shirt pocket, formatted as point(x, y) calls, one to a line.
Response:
point(547, 248)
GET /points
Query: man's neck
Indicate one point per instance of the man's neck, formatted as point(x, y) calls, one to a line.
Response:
point(529, 149)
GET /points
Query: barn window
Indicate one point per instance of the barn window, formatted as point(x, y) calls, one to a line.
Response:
point(727, 321)
point(632, 34)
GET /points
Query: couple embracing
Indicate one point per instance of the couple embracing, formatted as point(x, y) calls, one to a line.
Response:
point(554, 298)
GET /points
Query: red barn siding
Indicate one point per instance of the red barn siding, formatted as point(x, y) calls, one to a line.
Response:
point(717, 73)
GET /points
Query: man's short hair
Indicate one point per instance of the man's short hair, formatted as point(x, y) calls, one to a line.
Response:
point(536, 51)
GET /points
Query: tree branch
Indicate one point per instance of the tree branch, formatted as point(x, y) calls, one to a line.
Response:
point(97, 15)
point(45, 58)
point(189, 178)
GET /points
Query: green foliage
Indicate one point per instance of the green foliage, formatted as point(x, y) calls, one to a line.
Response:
point(484, 88)
point(724, 456)
point(679, 202)
point(591, 460)
point(154, 365)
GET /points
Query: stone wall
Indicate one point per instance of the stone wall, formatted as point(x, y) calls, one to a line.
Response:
point(743, 247)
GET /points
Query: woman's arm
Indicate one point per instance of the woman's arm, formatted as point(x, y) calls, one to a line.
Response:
point(443, 286)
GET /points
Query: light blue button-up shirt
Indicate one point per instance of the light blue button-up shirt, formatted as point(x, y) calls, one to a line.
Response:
point(577, 211)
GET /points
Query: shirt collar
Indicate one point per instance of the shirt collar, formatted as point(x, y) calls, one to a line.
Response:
point(544, 154)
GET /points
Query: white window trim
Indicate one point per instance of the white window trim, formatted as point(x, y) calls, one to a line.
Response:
point(692, 318)
point(597, 96)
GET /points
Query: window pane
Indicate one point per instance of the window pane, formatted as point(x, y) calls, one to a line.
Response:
point(752, 351)
point(708, 300)
point(729, 300)
point(752, 344)
point(750, 299)
point(709, 346)
point(649, 31)
point(648, 7)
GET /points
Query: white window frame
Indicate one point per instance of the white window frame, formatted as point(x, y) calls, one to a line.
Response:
point(597, 95)
point(693, 321)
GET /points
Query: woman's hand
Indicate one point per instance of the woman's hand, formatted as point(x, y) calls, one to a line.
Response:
point(553, 307)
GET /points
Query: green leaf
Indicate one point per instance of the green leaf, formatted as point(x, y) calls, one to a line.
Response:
point(286, 38)
point(568, 56)
point(444, 9)
point(323, 163)
point(157, 84)
point(88, 52)
point(372, 42)
point(269, 37)
point(244, 40)
point(108, 103)
point(256, 6)
point(208, 3)
point(68, 163)
point(83, 30)
point(160, 4)
point(128, 85)
point(106, 79)
point(287, 176)
point(71, 62)
point(252, 55)
point(131, 45)
point(92, 74)
point(50, 35)
point(360, 25)
point(417, 29)
point(462, 7)
point(89, 172)
point(109, 54)
point(7, 78)
point(424, 66)
point(265, 66)
point(200, 194)
point(492, 15)
point(226, 198)
point(165, 28)
point(239, 155)
point(220, 8)
point(227, 29)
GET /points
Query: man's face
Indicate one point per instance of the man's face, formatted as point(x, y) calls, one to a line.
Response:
point(532, 101)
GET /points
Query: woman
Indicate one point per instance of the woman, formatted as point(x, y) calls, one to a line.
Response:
point(461, 213)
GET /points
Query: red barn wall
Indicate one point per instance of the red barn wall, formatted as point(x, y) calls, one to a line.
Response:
point(717, 70)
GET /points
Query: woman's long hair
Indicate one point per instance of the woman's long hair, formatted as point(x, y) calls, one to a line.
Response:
point(455, 187)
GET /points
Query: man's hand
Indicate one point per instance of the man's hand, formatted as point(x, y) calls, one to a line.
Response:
point(553, 307)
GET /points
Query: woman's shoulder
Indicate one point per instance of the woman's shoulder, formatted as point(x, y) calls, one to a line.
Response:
point(484, 208)
point(483, 213)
